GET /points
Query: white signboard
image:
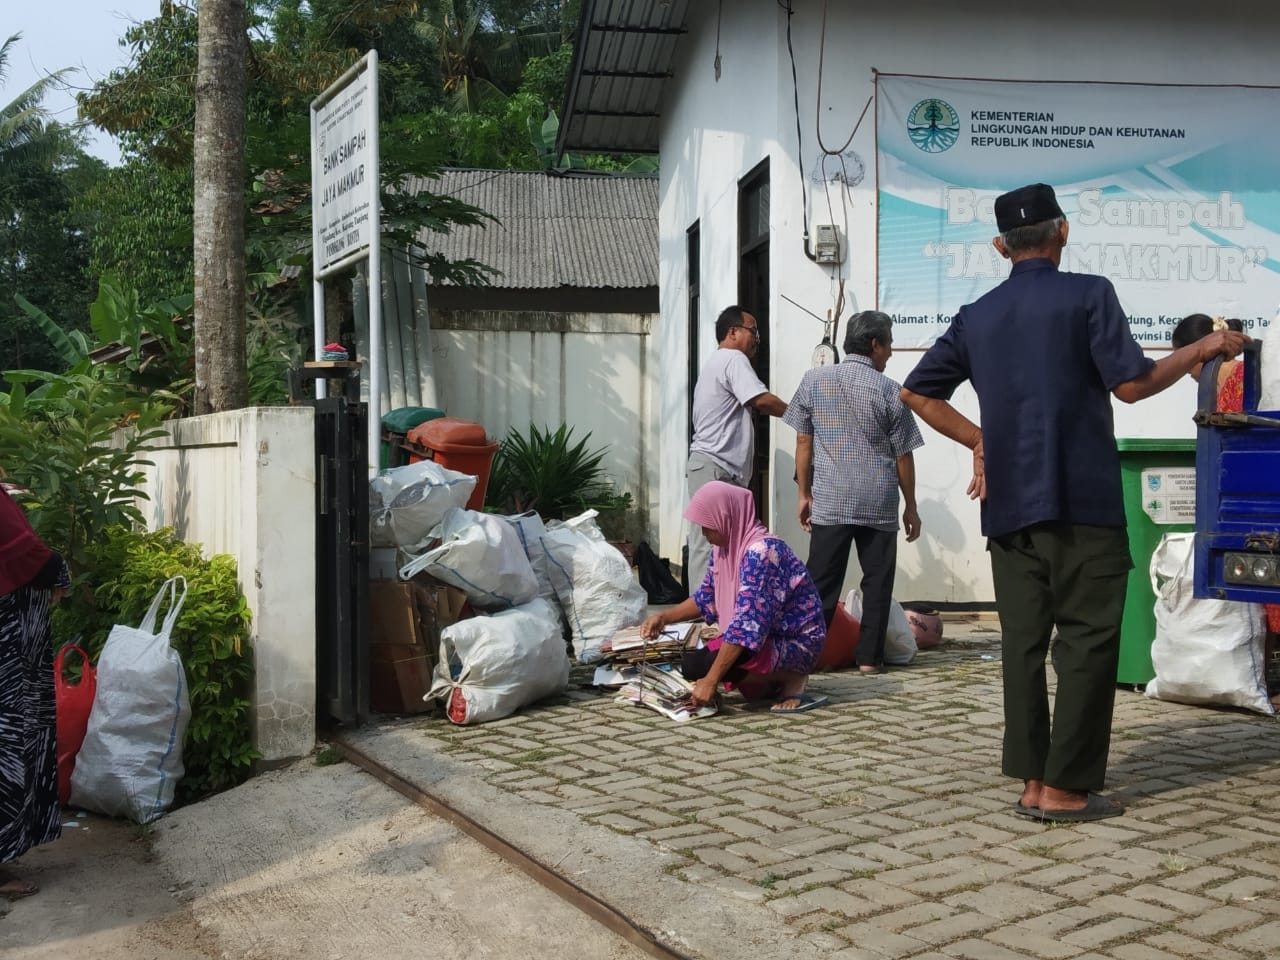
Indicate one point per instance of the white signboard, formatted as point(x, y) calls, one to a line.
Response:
point(344, 175)
point(1172, 192)
point(1169, 494)
point(346, 220)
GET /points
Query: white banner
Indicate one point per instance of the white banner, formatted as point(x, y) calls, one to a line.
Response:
point(1172, 192)
point(344, 176)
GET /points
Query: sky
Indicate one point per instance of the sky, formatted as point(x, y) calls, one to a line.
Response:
point(81, 34)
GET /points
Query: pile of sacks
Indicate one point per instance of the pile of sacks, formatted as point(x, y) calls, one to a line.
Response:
point(530, 582)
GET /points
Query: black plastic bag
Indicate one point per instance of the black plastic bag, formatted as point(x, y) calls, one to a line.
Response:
point(656, 578)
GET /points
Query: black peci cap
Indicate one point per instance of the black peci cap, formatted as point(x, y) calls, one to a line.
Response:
point(1034, 203)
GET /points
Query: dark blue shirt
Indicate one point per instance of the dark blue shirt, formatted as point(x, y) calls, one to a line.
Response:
point(1043, 350)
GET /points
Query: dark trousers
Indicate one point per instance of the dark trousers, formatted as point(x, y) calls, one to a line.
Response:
point(878, 556)
point(696, 664)
point(1074, 576)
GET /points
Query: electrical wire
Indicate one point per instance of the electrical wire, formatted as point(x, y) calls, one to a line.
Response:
point(795, 92)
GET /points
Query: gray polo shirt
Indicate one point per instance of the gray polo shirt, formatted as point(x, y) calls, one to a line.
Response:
point(722, 429)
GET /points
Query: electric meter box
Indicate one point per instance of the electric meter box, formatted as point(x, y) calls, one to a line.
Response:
point(828, 245)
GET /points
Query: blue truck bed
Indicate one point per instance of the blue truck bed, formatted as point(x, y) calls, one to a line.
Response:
point(1237, 546)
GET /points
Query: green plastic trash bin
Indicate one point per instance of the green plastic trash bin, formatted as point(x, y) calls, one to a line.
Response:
point(396, 425)
point(1158, 477)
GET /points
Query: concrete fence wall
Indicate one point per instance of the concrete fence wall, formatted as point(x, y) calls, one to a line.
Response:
point(243, 483)
point(592, 371)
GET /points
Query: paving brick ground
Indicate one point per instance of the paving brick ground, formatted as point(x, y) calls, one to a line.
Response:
point(879, 826)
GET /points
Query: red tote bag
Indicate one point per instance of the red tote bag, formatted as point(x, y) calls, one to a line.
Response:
point(73, 702)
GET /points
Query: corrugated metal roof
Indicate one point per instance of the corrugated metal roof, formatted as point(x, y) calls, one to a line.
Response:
point(554, 230)
point(621, 65)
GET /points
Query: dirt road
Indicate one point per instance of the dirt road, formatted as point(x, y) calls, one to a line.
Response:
point(321, 863)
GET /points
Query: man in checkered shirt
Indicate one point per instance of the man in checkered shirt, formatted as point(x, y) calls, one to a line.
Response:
point(854, 439)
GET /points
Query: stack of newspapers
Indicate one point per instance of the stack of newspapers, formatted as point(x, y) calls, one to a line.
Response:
point(621, 654)
point(662, 688)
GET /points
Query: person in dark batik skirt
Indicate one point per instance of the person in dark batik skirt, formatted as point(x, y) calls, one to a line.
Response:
point(32, 579)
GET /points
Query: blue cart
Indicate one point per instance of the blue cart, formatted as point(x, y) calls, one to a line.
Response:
point(1237, 546)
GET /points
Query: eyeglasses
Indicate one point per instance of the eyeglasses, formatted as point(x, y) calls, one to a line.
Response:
point(754, 331)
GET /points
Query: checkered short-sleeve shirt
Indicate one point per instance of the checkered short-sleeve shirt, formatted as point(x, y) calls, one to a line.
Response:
point(860, 428)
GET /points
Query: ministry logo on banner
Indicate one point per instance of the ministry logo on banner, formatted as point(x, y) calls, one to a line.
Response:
point(1172, 193)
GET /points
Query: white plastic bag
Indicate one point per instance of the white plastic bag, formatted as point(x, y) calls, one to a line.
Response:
point(407, 503)
point(530, 529)
point(491, 666)
point(1205, 651)
point(899, 639)
point(1269, 358)
point(593, 582)
point(481, 555)
point(131, 760)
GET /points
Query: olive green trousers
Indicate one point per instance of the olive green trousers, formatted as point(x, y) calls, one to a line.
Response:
point(1075, 577)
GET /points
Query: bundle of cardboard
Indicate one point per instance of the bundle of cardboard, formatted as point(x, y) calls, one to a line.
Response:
point(646, 670)
point(405, 620)
point(662, 688)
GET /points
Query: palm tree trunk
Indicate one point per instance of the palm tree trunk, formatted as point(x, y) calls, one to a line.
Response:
point(221, 84)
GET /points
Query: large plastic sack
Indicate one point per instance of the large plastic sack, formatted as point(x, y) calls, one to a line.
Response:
point(481, 555)
point(899, 639)
point(593, 583)
point(530, 528)
point(407, 503)
point(1269, 359)
point(1206, 652)
point(131, 759)
point(491, 666)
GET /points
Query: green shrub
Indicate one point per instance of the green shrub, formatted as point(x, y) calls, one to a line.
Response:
point(551, 474)
point(77, 444)
point(211, 635)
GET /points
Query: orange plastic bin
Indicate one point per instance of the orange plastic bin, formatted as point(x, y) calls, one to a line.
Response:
point(456, 444)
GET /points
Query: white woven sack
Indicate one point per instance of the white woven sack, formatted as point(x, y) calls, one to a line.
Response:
point(501, 662)
point(131, 760)
point(530, 529)
point(593, 583)
point(407, 503)
point(899, 639)
point(1269, 358)
point(481, 555)
point(1207, 652)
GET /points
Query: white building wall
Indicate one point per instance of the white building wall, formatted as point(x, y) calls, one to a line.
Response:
point(713, 133)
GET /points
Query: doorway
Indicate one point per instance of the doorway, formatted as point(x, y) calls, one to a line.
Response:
point(753, 296)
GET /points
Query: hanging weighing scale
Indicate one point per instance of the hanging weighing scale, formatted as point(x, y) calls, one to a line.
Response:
point(824, 354)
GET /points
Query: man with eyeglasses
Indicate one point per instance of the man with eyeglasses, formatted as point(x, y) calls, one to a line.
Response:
point(727, 393)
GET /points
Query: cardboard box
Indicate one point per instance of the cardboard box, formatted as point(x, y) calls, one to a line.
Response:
point(399, 677)
point(405, 620)
point(395, 617)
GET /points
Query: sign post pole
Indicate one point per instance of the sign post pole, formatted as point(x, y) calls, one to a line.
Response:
point(346, 211)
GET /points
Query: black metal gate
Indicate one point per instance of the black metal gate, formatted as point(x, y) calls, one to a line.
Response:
point(342, 562)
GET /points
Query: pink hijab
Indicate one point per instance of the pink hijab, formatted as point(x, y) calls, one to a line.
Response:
point(730, 511)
